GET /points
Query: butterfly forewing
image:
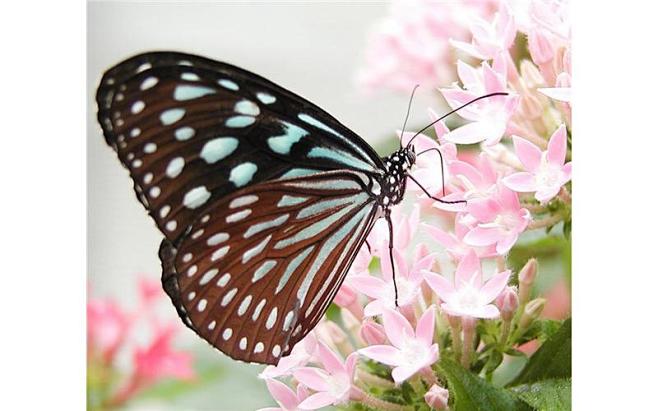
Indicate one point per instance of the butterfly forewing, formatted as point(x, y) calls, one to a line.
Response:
point(260, 266)
point(192, 130)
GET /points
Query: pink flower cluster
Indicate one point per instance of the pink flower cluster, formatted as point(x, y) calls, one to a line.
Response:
point(517, 180)
point(113, 331)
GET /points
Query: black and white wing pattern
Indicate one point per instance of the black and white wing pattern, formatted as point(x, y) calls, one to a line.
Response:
point(261, 265)
point(192, 130)
point(263, 198)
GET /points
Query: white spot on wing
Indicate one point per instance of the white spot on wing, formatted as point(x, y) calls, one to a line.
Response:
point(252, 252)
point(271, 319)
point(228, 84)
point(243, 173)
point(196, 197)
point(243, 201)
point(175, 167)
point(220, 252)
point(217, 239)
point(265, 98)
point(171, 116)
point(229, 296)
point(218, 149)
point(223, 280)
point(240, 215)
point(209, 275)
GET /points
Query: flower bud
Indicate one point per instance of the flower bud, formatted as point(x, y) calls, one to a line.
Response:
point(532, 311)
point(437, 397)
point(540, 47)
point(372, 333)
point(526, 279)
point(531, 75)
point(531, 107)
point(507, 302)
point(345, 296)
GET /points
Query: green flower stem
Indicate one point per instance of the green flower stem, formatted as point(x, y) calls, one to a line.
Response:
point(374, 402)
point(373, 380)
point(504, 332)
point(545, 222)
point(456, 336)
point(468, 325)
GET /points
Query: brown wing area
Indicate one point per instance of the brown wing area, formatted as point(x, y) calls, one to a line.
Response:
point(259, 268)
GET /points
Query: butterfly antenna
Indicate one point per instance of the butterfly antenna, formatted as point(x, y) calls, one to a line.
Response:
point(454, 111)
point(408, 111)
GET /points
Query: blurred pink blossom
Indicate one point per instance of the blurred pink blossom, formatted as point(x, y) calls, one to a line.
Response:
point(333, 383)
point(107, 327)
point(159, 359)
point(546, 171)
point(411, 47)
point(372, 333)
point(287, 399)
point(490, 38)
point(468, 295)
point(489, 117)
point(409, 352)
point(497, 220)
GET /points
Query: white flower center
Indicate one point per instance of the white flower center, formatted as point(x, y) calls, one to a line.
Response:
point(548, 175)
point(413, 352)
point(339, 385)
point(468, 297)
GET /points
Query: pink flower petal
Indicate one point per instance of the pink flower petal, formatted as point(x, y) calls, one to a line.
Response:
point(494, 286)
point(329, 359)
point(522, 182)
point(470, 133)
point(425, 327)
point(443, 238)
point(505, 243)
point(376, 307)
point(566, 169)
point(441, 286)
point(557, 146)
point(492, 82)
point(508, 198)
point(468, 268)
point(282, 394)
point(402, 373)
point(483, 209)
point(396, 327)
point(487, 311)
point(480, 237)
point(318, 400)
point(371, 286)
point(384, 354)
point(528, 153)
point(314, 378)
point(546, 194)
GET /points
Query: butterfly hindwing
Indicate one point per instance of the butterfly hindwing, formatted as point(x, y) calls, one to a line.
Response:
point(192, 130)
point(260, 266)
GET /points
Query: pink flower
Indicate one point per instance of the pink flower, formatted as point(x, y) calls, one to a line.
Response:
point(107, 327)
point(454, 242)
point(473, 180)
point(468, 296)
point(333, 383)
point(287, 399)
point(489, 117)
point(405, 225)
point(382, 291)
point(490, 38)
point(410, 351)
point(299, 356)
point(497, 220)
point(546, 171)
point(372, 333)
point(159, 359)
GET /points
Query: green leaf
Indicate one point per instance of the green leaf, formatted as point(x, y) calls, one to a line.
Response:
point(547, 395)
point(552, 359)
point(471, 393)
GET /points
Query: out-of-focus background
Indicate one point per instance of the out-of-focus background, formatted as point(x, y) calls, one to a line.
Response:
point(313, 49)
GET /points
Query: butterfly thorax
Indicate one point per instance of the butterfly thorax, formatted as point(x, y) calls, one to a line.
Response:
point(397, 166)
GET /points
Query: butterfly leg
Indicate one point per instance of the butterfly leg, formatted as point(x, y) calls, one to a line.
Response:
point(387, 216)
point(431, 196)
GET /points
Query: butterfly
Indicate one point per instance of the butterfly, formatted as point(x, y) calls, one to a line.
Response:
point(264, 199)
